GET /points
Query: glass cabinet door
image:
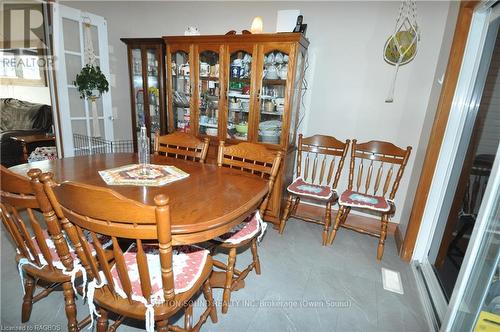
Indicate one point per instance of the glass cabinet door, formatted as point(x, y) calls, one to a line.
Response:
point(181, 91)
point(272, 96)
point(208, 93)
point(238, 103)
point(138, 88)
point(153, 91)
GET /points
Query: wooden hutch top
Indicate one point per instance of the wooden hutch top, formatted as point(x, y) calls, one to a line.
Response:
point(256, 38)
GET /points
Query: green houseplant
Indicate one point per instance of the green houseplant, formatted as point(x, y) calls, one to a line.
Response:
point(91, 82)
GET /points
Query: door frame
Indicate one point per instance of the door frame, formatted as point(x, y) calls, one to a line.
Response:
point(464, 20)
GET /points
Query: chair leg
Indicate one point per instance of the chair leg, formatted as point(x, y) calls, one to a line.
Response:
point(207, 292)
point(102, 322)
point(286, 213)
point(162, 326)
point(295, 205)
point(383, 235)
point(328, 220)
point(70, 306)
point(255, 255)
point(347, 209)
point(29, 289)
point(336, 225)
point(226, 296)
point(188, 317)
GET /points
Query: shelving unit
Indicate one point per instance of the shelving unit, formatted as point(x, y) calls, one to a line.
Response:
point(217, 88)
point(147, 85)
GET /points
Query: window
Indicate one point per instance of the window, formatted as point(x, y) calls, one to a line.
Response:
point(22, 67)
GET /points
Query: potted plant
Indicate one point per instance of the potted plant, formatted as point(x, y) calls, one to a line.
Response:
point(91, 82)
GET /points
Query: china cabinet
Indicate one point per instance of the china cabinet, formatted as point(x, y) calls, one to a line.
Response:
point(146, 63)
point(238, 88)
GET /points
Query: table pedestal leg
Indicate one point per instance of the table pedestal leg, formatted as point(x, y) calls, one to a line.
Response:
point(217, 280)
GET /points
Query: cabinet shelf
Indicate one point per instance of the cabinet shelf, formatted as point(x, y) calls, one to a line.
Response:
point(209, 78)
point(181, 77)
point(238, 95)
point(209, 125)
point(240, 80)
point(261, 112)
point(274, 82)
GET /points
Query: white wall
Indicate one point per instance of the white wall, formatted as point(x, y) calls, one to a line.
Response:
point(348, 77)
point(428, 121)
point(33, 94)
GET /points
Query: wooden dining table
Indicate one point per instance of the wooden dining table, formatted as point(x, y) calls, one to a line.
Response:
point(206, 204)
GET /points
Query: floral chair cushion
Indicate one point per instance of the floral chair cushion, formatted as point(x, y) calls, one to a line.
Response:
point(249, 228)
point(43, 153)
point(360, 200)
point(304, 188)
point(187, 263)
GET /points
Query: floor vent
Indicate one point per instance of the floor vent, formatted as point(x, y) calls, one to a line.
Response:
point(391, 281)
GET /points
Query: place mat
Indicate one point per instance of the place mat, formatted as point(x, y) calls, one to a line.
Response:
point(156, 175)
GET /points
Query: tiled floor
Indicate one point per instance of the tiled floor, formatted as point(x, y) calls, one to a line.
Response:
point(303, 287)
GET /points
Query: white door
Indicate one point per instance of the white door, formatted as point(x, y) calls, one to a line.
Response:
point(75, 114)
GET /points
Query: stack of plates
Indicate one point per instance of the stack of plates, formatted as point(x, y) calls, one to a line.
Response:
point(270, 131)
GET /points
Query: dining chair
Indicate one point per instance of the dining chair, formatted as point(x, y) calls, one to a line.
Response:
point(42, 254)
point(381, 158)
point(259, 161)
point(182, 146)
point(322, 158)
point(149, 278)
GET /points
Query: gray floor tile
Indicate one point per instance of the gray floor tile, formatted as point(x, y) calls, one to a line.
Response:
point(303, 287)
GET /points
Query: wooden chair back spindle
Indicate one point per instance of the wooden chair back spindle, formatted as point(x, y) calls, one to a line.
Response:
point(322, 159)
point(102, 211)
point(181, 146)
point(377, 160)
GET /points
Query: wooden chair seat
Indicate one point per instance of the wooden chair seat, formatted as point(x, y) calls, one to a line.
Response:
point(300, 187)
point(106, 299)
point(45, 273)
point(243, 231)
point(364, 201)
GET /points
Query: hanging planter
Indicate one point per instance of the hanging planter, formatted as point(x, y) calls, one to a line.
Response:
point(91, 82)
point(402, 45)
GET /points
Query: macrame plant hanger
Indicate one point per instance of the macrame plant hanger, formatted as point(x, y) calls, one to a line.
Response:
point(91, 59)
point(402, 46)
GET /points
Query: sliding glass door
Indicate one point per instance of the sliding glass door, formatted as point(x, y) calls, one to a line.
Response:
point(454, 219)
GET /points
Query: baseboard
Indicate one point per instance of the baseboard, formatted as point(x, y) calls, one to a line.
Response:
point(366, 223)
